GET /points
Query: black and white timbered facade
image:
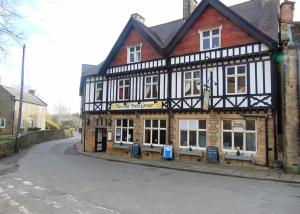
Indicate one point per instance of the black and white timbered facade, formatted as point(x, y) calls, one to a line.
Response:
point(154, 100)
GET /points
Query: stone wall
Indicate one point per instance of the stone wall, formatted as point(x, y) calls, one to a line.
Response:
point(31, 138)
point(291, 111)
point(6, 148)
point(6, 110)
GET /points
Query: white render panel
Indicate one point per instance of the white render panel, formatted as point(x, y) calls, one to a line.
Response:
point(268, 81)
point(142, 82)
point(221, 82)
point(166, 86)
point(260, 79)
point(215, 79)
point(241, 102)
point(92, 92)
point(131, 87)
point(173, 83)
point(252, 78)
point(104, 91)
point(87, 93)
point(178, 88)
point(204, 78)
point(138, 88)
point(161, 86)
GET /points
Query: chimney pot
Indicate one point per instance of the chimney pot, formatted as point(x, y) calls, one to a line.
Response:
point(188, 7)
point(138, 17)
point(32, 92)
point(287, 12)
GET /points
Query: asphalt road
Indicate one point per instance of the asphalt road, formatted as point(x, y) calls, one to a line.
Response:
point(52, 178)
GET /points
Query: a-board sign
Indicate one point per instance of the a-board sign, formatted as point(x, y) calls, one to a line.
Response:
point(168, 152)
point(212, 154)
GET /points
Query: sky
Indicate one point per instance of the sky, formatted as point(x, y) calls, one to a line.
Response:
point(61, 35)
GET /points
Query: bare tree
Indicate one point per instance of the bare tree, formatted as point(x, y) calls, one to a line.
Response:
point(8, 31)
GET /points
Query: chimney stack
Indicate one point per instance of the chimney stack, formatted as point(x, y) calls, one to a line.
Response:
point(138, 17)
point(287, 12)
point(32, 92)
point(188, 7)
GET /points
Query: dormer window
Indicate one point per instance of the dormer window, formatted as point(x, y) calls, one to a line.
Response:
point(134, 54)
point(210, 39)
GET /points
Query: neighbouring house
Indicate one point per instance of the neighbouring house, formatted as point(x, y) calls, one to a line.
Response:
point(34, 110)
point(208, 79)
point(289, 130)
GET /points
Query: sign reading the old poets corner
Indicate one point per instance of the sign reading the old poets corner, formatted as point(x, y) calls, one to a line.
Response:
point(136, 106)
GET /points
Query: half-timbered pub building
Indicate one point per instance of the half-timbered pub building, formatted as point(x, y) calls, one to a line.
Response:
point(208, 79)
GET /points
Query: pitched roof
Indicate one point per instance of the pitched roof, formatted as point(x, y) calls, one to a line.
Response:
point(258, 17)
point(261, 13)
point(27, 97)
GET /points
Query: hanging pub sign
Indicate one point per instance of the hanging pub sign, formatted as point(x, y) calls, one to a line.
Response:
point(205, 100)
point(136, 106)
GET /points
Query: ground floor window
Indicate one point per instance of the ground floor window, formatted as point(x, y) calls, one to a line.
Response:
point(2, 123)
point(192, 133)
point(239, 135)
point(124, 131)
point(155, 132)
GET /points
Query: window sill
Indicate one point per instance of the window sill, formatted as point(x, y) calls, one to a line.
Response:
point(242, 158)
point(190, 153)
point(157, 149)
point(125, 146)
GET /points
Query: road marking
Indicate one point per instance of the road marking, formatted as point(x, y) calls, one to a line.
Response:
point(10, 186)
point(22, 192)
point(4, 196)
point(104, 208)
point(1, 190)
point(28, 183)
point(18, 179)
point(54, 204)
point(71, 198)
point(23, 209)
point(13, 203)
point(39, 188)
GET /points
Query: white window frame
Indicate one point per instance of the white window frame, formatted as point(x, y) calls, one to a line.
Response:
point(210, 38)
point(2, 121)
point(135, 53)
point(124, 86)
point(236, 76)
point(99, 90)
point(127, 131)
point(192, 83)
point(244, 137)
point(151, 84)
point(188, 134)
point(151, 128)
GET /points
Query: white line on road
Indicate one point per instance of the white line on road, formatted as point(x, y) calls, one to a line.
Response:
point(10, 186)
point(28, 183)
point(39, 188)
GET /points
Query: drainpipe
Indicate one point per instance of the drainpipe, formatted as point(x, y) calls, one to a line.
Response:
point(266, 133)
point(169, 98)
point(298, 73)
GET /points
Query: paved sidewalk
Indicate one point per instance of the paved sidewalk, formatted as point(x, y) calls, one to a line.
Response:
point(255, 172)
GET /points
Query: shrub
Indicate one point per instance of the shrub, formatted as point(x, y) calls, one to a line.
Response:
point(51, 125)
point(33, 129)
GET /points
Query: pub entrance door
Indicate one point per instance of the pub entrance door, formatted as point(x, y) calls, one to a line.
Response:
point(100, 140)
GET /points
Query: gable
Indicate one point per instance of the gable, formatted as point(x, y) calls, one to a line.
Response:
point(135, 38)
point(231, 34)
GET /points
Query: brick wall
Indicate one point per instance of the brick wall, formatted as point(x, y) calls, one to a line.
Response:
point(134, 38)
point(231, 34)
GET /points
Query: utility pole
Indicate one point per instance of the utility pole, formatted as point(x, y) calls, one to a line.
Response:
point(16, 145)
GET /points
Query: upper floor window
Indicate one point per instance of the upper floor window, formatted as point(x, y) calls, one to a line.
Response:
point(2, 123)
point(151, 87)
point(134, 54)
point(236, 79)
point(210, 39)
point(192, 83)
point(98, 91)
point(123, 89)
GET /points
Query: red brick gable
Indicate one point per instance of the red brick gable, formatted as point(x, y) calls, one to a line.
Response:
point(231, 34)
point(135, 38)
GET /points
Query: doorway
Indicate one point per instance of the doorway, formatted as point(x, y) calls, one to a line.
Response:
point(100, 140)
